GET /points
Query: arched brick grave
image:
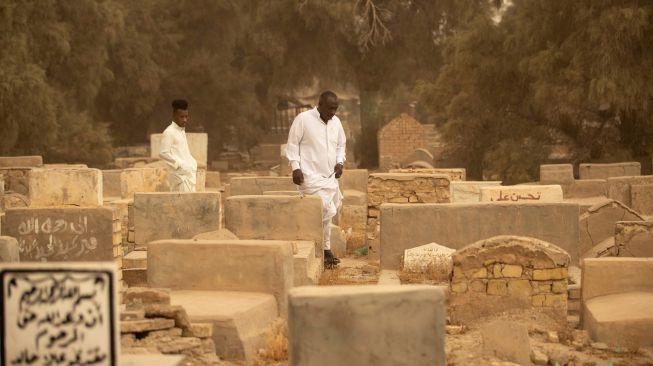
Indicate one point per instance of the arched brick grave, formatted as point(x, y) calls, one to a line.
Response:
point(508, 272)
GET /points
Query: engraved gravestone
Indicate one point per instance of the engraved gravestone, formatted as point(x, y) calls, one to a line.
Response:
point(61, 234)
point(58, 314)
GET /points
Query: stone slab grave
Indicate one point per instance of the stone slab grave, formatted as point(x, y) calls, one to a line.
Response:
point(562, 174)
point(469, 191)
point(9, 249)
point(605, 171)
point(586, 188)
point(522, 193)
point(276, 218)
point(16, 180)
point(619, 188)
point(332, 325)
point(507, 340)
point(456, 225)
point(632, 239)
point(598, 224)
point(144, 179)
point(454, 174)
point(353, 217)
point(400, 188)
point(641, 197)
point(65, 186)
point(508, 272)
point(241, 186)
point(161, 177)
point(168, 215)
point(354, 179)
point(197, 143)
point(617, 301)
point(21, 161)
point(239, 286)
point(65, 234)
point(213, 180)
point(111, 183)
point(34, 315)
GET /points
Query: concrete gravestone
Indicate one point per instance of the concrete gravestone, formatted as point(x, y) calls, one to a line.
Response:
point(524, 193)
point(429, 257)
point(54, 314)
point(469, 191)
point(64, 234)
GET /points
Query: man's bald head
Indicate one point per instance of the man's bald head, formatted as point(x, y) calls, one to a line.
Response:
point(328, 105)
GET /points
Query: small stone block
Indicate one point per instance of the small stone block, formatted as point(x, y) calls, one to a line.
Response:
point(132, 314)
point(199, 330)
point(145, 295)
point(550, 274)
point(497, 287)
point(511, 271)
point(145, 325)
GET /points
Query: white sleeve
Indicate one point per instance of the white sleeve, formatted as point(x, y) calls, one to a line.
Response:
point(341, 147)
point(165, 152)
point(294, 138)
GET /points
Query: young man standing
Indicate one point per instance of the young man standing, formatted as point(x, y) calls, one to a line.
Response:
point(182, 167)
point(316, 151)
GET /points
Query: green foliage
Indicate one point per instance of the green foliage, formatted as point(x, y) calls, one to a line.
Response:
point(550, 72)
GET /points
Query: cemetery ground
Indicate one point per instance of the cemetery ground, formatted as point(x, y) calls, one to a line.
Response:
point(435, 269)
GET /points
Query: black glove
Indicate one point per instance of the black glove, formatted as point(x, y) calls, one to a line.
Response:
point(338, 170)
point(297, 177)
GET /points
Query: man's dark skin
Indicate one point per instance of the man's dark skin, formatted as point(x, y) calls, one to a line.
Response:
point(327, 108)
point(180, 117)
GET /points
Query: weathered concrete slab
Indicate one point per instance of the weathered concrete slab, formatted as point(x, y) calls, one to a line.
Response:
point(586, 188)
point(220, 234)
point(62, 187)
point(213, 179)
point(64, 234)
point(619, 187)
point(605, 171)
point(111, 183)
point(134, 180)
point(354, 179)
point(21, 161)
point(197, 143)
point(469, 191)
point(338, 241)
point(507, 340)
point(456, 225)
point(275, 218)
point(634, 239)
point(16, 180)
point(223, 265)
point(617, 296)
point(508, 272)
point(562, 174)
point(284, 164)
point(454, 174)
point(412, 323)
point(67, 291)
point(9, 249)
point(173, 215)
point(599, 222)
point(641, 197)
point(522, 193)
point(241, 186)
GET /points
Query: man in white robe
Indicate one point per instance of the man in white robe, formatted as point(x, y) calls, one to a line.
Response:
point(316, 151)
point(182, 167)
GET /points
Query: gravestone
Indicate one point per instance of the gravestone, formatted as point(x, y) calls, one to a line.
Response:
point(65, 234)
point(59, 313)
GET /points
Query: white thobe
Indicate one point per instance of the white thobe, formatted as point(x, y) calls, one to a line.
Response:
point(316, 147)
point(182, 167)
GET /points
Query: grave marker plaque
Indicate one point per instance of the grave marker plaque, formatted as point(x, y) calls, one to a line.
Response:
point(58, 314)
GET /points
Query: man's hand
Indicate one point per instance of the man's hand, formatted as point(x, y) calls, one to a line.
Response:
point(338, 170)
point(297, 177)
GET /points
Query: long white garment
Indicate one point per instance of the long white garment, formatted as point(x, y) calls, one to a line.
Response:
point(182, 167)
point(316, 147)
